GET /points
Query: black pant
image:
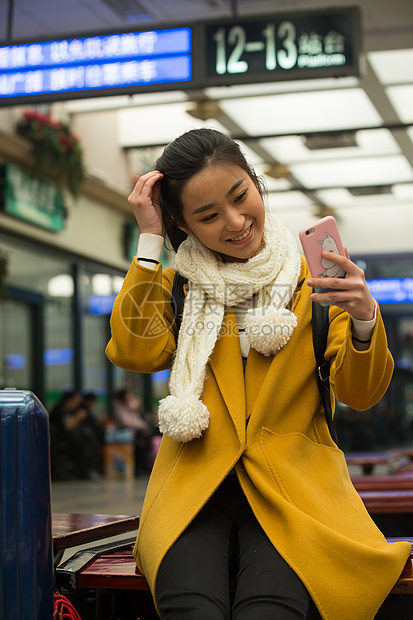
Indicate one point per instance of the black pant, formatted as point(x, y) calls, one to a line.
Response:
point(226, 540)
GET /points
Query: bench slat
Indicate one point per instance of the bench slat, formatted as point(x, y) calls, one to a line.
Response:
point(118, 570)
point(388, 501)
point(388, 482)
point(74, 529)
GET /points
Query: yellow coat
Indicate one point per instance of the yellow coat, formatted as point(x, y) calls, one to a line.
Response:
point(293, 475)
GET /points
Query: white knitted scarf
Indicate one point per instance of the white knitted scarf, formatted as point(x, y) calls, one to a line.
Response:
point(272, 273)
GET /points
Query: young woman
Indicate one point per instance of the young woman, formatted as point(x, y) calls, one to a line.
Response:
point(247, 481)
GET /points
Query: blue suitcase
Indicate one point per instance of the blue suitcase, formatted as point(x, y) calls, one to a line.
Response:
point(26, 571)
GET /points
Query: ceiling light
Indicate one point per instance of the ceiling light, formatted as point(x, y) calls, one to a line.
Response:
point(328, 110)
point(204, 110)
point(404, 191)
point(101, 284)
point(335, 197)
point(402, 100)
point(285, 201)
point(353, 172)
point(156, 124)
point(393, 66)
point(289, 149)
point(60, 286)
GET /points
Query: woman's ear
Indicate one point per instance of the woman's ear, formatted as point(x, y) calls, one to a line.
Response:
point(186, 230)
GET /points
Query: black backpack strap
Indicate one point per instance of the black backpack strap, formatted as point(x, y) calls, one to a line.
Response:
point(178, 297)
point(320, 325)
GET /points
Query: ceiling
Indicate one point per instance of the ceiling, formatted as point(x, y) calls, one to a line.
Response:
point(372, 115)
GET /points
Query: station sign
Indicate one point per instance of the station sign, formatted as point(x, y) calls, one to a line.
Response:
point(238, 51)
point(283, 47)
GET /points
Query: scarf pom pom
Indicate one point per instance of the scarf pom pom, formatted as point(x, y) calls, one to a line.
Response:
point(269, 329)
point(182, 418)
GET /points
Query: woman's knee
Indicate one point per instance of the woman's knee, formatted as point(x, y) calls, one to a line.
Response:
point(192, 606)
point(192, 582)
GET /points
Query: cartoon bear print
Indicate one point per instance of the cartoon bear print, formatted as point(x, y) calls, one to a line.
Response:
point(332, 270)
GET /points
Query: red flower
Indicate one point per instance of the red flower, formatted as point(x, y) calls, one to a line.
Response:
point(55, 148)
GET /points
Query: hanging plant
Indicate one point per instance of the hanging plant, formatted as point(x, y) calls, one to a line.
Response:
point(56, 150)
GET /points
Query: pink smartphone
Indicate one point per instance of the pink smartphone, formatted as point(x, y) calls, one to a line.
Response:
point(323, 235)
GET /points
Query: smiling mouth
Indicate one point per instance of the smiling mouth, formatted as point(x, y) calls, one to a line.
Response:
point(244, 235)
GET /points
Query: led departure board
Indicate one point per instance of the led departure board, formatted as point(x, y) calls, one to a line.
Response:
point(246, 50)
point(95, 63)
point(391, 290)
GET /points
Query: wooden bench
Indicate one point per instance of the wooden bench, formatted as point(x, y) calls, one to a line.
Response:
point(406, 452)
point(391, 510)
point(107, 577)
point(388, 501)
point(395, 482)
point(74, 529)
point(367, 461)
point(118, 568)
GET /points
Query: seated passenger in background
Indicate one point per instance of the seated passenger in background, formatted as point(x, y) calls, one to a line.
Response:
point(62, 457)
point(93, 429)
point(128, 413)
point(76, 444)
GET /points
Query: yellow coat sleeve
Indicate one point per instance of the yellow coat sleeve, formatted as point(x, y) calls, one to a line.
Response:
point(142, 322)
point(358, 378)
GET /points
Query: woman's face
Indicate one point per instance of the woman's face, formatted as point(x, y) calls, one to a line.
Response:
point(223, 208)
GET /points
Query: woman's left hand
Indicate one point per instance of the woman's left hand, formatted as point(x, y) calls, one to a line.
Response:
point(350, 293)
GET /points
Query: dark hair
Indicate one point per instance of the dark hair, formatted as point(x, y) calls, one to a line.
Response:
point(185, 157)
point(121, 395)
point(69, 394)
point(90, 396)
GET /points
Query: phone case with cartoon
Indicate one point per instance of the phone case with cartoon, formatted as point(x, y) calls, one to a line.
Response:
point(323, 235)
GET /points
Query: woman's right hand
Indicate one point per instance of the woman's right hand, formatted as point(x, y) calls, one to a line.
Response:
point(144, 201)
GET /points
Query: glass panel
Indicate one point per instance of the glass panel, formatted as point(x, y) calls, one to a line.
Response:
point(35, 272)
point(43, 273)
point(405, 367)
point(98, 292)
point(98, 296)
point(35, 269)
point(131, 381)
point(94, 359)
point(15, 345)
point(58, 354)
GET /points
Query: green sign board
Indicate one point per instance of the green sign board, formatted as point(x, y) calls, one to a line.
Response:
point(31, 199)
